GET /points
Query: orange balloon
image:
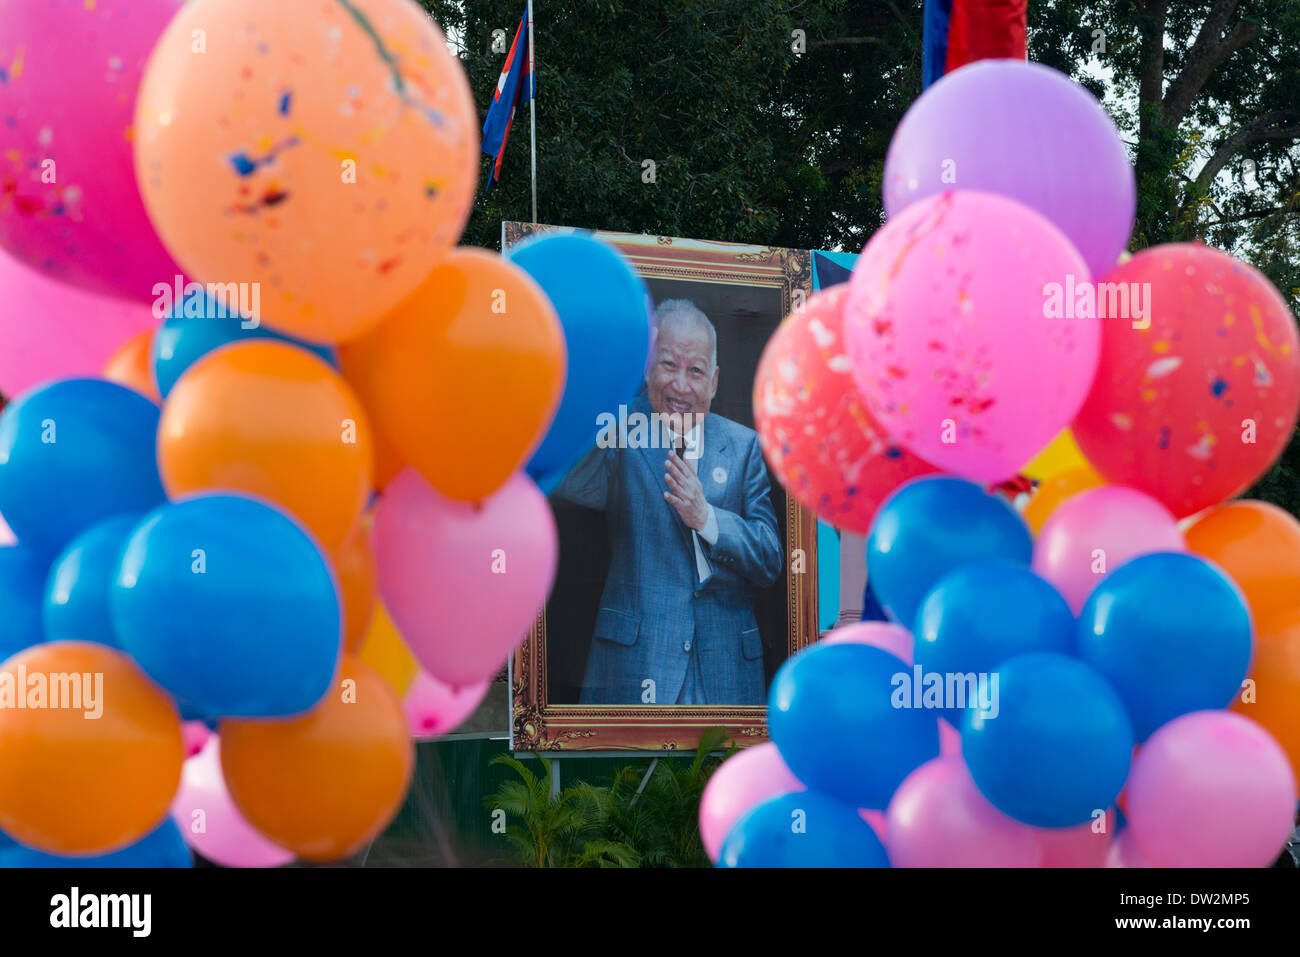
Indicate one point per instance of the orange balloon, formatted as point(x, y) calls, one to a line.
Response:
point(1055, 490)
point(326, 783)
point(355, 363)
point(72, 783)
point(325, 152)
point(1258, 545)
point(384, 650)
point(354, 563)
point(465, 375)
point(132, 366)
point(274, 420)
point(1276, 673)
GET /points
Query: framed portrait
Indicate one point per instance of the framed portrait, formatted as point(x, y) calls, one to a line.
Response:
point(670, 613)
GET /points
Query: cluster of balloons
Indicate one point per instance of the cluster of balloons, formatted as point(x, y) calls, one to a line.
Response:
point(272, 460)
point(1125, 653)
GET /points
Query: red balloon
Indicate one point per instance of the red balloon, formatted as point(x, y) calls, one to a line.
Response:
point(824, 446)
point(1196, 394)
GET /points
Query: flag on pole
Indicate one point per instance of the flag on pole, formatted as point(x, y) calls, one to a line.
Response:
point(516, 86)
point(957, 32)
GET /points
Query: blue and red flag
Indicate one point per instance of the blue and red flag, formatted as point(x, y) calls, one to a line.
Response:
point(516, 86)
point(958, 32)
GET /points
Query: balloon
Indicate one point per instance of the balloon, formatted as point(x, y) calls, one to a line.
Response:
point(209, 820)
point(269, 419)
point(740, 783)
point(132, 365)
point(72, 453)
point(1171, 633)
point(951, 335)
point(1019, 130)
point(325, 784)
point(1274, 700)
point(434, 709)
point(1055, 490)
point(22, 578)
point(1096, 532)
point(1125, 852)
point(815, 430)
point(354, 361)
point(601, 303)
point(354, 566)
point(1258, 545)
point(1211, 789)
point(938, 818)
point(980, 615)
point(1196, 399)
point(227, 603)
point(198, 327)
point(161, 847)
point(382, 648)
point(195, 735)
point(76, 592)
point(461, 582)
point(90, 749)
point(929, 527)
point(1061, 455)
point(71, 208)
point(1084, 845)
point(830, 834)
point(831, 712)
point(1057, 747)
point(892, 638)
point(480, 337)
point(341, 157)
point(949, 739)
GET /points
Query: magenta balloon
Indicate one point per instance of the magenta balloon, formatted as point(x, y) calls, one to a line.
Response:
point(50, 330)
point(1124, 851)
point(210, 822)
point(1025, 131)
point(950, 336)
point(744, 780)
point(194, 735)
point(463, 582)
point(938, 818)
point(1211, 789)
point(894, 639)
point(1078, 846)
point(433, 708)
point(1091, 534)
point(949, 740)
point(69, 72)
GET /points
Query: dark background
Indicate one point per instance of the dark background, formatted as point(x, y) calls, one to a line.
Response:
point(744, 317)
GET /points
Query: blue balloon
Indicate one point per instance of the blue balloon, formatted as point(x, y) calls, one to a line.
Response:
point(1056, 745)
point(805, 829)
point(1171, 632)
point(983, 613)
point(72, 453)
point(183, 340)
point(22, 577)
point(162, 847)
point(931, 526)
point(227, 603)
point(832, 714)
point(76, 591)
point(602, 305)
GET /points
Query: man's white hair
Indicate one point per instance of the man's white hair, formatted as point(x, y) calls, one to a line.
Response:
point(679, 311)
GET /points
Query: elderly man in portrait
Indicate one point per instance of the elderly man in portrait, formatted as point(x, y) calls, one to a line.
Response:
point(693, 535)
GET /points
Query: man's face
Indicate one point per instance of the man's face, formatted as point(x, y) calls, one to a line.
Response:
point(682, 379)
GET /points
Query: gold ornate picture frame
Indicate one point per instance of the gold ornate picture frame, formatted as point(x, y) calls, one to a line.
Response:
point(539, 724)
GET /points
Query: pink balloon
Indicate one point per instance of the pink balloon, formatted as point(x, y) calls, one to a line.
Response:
point(69, 204)
point(1124, 851)
point(1078, 846)
point(1211, 789)
point(892, 638)
point(463, 582)
point(50, 330)
point(744, 780)
point(1091, 534)
point(194, 735)
point(949, 740)
point(950, 338)
point(220, 833)
point(433, 708)
point(878, 822)
point(938, 818)
point(6, 533)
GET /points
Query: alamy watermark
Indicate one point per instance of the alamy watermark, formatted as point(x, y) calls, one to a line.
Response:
point(60, 690)
point(214, 300)
point(1098, 300)
point(638, 430)
point(946, 690)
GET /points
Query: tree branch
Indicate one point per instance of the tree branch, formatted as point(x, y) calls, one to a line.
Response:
point(1208, 52)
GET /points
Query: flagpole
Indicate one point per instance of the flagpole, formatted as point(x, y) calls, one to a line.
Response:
point(532, 104)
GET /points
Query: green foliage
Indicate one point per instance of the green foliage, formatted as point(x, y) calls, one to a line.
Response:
point(611, 826)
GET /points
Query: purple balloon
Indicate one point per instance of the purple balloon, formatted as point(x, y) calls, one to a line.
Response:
point(1029, 133)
